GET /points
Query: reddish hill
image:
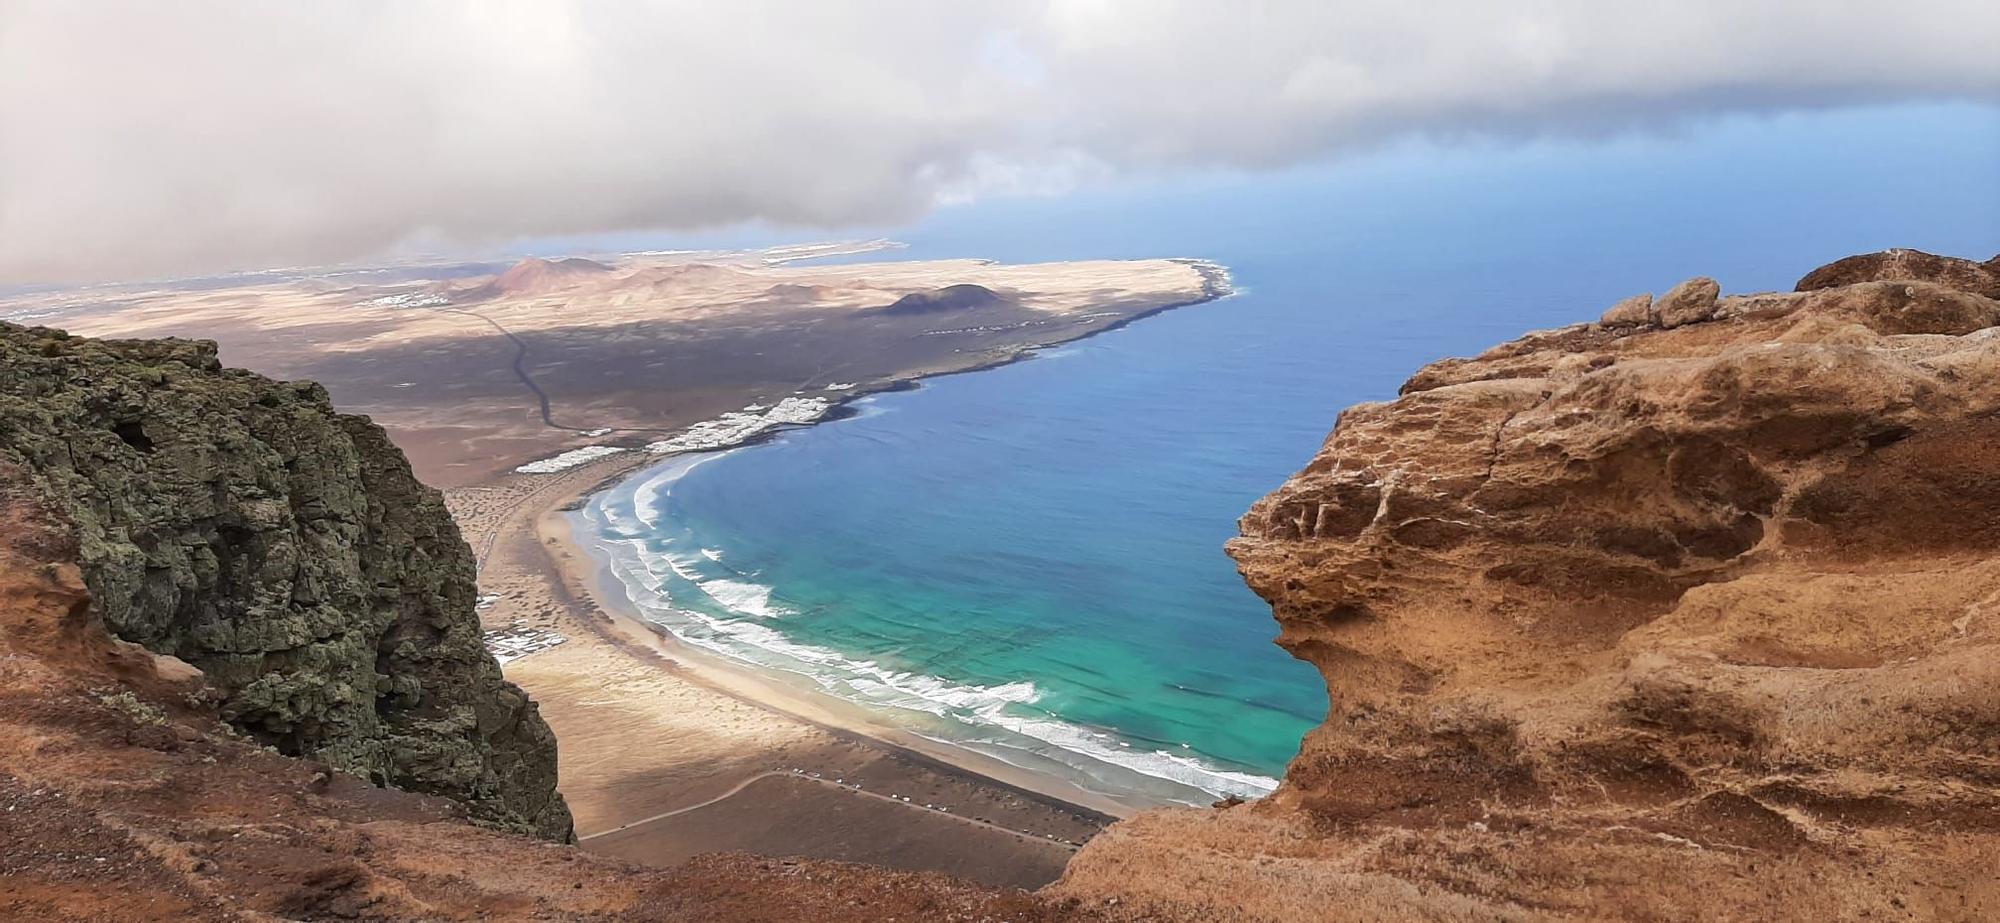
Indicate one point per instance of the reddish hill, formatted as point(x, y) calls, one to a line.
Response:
point(536, 276)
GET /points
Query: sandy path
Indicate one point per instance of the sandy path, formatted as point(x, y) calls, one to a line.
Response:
point(903, 802)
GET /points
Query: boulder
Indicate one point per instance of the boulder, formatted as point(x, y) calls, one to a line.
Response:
point(1636, 311)
point(1690, 302)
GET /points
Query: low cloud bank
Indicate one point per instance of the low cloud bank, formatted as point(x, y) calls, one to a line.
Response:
point(149, 139)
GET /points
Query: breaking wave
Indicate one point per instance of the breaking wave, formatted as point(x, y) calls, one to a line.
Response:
point(706, 604)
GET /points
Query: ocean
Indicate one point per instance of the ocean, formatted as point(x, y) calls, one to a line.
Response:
point(1028, 560)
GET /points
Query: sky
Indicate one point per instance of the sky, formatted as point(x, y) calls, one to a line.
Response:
point(147, 140)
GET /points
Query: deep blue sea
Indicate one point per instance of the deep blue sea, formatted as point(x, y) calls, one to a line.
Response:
point(1028, 560)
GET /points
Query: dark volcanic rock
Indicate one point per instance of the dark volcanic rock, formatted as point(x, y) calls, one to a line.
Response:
point(964, 297)
point(286, 550)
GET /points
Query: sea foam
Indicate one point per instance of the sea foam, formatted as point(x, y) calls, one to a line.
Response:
point(996, 719)
point(741, 596)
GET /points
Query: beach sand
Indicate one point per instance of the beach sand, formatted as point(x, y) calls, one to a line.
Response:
point(668, 753)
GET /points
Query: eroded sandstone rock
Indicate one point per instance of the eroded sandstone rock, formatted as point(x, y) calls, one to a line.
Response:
point(1690, 302)
point(1908, 265)
point(1691, 621)
point(1635, 311)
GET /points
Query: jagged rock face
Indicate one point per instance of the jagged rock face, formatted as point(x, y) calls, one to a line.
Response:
point(286, 550)
point(1677, 619)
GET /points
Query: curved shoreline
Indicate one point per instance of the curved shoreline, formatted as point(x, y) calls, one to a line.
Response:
point(1216, 285)
point(629, 630)
point(573, 568)
point(909, 704)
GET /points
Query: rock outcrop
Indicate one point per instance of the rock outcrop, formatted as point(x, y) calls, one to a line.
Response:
point(285, 550)
point(1696, 617)
point(1632, 312)
point(1892, 265)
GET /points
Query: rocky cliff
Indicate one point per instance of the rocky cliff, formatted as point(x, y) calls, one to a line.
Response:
point(125, 799)
point(285, 550)
point(1691, 613)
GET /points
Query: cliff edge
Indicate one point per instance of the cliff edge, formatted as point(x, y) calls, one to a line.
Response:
point(1693, 612)
point(284, 550)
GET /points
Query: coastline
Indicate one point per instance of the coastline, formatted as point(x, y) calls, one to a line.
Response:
point(707, 611)
point(620, 789)
point(640, 637)
point(1216, 285)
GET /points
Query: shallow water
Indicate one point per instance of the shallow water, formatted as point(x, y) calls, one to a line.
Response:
point(1028, 560)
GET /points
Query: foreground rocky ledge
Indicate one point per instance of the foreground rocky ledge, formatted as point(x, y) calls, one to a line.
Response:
point(1693, 613)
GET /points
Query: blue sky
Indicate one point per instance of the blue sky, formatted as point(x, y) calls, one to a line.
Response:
point(1759, 191)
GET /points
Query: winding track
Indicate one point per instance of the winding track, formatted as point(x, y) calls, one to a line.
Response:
point(852, 790)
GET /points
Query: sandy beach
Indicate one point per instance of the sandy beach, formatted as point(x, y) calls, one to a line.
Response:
point(668, 752)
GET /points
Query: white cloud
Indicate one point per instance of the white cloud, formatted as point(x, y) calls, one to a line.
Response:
point(142, 138)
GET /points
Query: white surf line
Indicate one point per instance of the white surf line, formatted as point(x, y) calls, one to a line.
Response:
point(850, 789)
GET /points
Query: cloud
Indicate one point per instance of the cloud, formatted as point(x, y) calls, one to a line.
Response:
point(145, 139)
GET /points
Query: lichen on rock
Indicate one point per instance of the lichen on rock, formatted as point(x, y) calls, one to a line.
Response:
point(286, 550)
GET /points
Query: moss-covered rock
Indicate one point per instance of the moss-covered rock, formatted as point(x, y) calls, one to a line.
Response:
point(242, 525)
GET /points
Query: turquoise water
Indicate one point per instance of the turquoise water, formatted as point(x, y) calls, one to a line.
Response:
point(1028, 560)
